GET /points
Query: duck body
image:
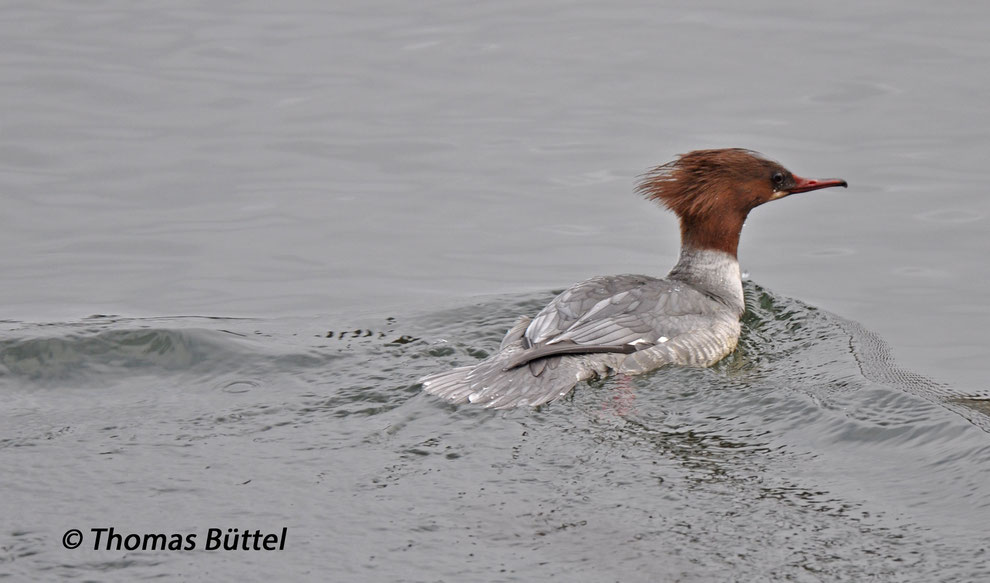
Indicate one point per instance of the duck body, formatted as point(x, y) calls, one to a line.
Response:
point(632, 324)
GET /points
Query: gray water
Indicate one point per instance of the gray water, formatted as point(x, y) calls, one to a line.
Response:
point(234, 235)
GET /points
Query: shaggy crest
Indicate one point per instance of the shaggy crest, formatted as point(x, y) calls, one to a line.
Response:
point(685, 185)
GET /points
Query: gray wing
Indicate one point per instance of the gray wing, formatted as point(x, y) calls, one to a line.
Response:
point(573, 337)
point(623, 310)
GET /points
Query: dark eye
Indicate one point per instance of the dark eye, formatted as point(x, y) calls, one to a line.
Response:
point(778, 178)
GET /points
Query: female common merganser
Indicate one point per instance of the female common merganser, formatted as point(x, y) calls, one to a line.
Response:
point(632, 324)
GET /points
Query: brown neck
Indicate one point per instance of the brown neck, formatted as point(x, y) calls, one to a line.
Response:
point(713, 231)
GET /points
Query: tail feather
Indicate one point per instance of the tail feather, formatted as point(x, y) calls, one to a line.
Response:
point(450, 384)
point(490, 385)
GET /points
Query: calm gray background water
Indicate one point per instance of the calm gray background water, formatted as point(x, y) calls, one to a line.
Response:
point(324, 166)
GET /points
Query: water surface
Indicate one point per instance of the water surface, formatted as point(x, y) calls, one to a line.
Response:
point(194, 196)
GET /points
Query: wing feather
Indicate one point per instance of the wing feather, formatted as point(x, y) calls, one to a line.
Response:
point(619, 310)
